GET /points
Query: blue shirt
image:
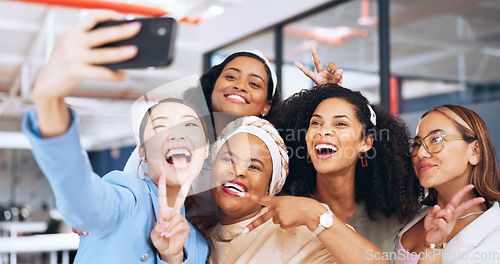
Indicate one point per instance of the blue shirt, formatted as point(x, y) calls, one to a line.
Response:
point(118, 210)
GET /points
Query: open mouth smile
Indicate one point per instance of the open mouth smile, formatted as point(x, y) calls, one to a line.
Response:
point(234, 188)
point(325, 150)
point(178, 158)
point(236, 98)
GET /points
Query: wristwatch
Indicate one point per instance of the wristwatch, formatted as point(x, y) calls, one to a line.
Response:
point(325, 220)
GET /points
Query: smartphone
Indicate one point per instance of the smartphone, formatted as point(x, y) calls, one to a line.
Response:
point(155, 43)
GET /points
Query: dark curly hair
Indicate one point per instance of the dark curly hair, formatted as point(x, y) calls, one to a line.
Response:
point(388, 185)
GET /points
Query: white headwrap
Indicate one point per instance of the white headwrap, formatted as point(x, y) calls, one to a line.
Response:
point(265, 131)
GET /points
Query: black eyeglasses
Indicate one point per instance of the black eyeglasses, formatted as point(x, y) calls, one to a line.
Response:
point(433, 143)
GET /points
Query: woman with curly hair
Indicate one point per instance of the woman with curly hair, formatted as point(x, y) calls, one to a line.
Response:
point(351, 166)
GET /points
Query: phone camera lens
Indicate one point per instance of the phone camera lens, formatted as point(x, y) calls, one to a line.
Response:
point(162, 31)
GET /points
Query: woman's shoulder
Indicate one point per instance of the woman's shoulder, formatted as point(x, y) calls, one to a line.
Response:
point(420, 214)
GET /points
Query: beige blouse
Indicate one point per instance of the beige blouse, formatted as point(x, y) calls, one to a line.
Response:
point(267, 243)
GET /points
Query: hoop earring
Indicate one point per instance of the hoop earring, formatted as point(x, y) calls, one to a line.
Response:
point(364, 160)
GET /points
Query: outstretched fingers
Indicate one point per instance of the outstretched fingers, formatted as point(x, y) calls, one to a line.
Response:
point(164, 214)
point(305, 70)
point(257, 222)
point(455, 200)
point(267, 201)
point(317, 61)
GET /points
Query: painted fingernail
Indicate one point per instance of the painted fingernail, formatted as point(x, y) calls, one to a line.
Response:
point(85, 233)
point(340, 72)
point(246, 230)
point(241, 194)
point(164, 225)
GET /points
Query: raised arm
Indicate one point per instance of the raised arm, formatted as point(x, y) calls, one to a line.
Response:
point(341, 240)
point(51, 126)
point(73, 60)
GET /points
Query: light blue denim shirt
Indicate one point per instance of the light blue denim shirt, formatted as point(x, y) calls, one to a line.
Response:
point(118, 210)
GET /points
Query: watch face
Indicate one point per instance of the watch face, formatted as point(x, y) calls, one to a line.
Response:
point(326, 220)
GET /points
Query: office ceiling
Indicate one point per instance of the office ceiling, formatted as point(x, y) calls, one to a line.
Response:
point(447, 40)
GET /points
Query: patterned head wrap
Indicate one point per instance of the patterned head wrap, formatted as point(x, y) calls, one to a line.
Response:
point(266, 132)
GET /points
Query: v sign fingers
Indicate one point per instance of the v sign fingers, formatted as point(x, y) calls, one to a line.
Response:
point(439, 223)
point(330, 74)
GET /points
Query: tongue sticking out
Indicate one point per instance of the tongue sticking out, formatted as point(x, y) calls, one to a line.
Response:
point(179, 161)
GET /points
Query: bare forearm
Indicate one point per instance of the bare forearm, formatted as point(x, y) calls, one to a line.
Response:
point(350, 247)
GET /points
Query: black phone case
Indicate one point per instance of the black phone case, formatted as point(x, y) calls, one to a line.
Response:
point(155, 43)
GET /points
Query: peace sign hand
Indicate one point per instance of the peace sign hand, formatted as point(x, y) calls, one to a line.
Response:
point(287, 211)
point(171, 230)
point(439, 223)
point(332, 73)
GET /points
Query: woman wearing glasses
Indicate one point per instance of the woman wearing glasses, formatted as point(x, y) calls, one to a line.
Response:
point(453, 156)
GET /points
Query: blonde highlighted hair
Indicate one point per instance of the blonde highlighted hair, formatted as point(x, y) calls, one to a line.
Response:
point(485, 175)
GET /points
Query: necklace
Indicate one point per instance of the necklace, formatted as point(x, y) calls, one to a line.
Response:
point(475, 213)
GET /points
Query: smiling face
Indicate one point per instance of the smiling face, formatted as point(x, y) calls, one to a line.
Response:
point(242, 88)
point(453, 164)
point(174, 143)
point(334, 137)
point(243, 164)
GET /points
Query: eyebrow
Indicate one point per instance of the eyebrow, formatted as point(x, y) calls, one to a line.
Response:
point(166, 118)
point(258, 161)
point(336, 116)
point(252, 74)
point(251, 160)
point(432, 132)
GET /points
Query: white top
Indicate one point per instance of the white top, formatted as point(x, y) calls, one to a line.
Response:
point(478, 242)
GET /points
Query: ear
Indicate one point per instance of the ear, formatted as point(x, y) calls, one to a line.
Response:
point(266, 108)
point(475, 153)
point(367, 143)
point(142, 154)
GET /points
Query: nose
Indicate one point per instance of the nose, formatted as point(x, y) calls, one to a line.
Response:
point(240, 85)
point(422, 153)
point(175, 134)
point(324, 132)
point(239, 171)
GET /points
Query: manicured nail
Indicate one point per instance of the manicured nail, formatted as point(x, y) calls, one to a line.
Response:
point(241, 194)
point(246, 230)
point(340, 72)
point(164, 225)
point(313, 49)
point(85, 233)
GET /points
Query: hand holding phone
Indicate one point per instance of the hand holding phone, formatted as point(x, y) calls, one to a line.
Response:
point(155, 43)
